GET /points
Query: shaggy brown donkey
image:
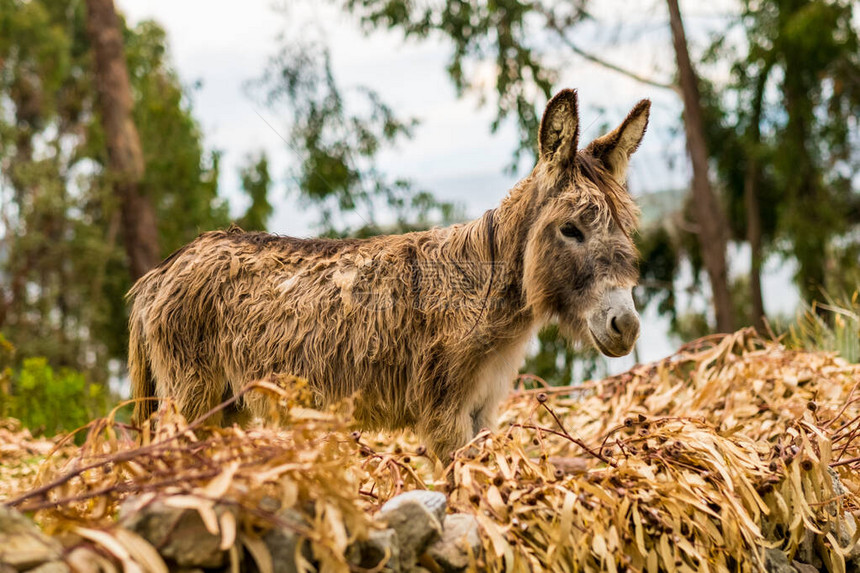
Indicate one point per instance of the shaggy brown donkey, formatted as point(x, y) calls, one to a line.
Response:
point(426, 330)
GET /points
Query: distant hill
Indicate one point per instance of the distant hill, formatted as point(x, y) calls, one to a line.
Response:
point(658, 205)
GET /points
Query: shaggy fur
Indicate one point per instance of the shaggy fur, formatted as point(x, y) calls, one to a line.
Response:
point(425, 329)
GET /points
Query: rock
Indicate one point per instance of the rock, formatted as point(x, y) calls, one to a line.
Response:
point(282, 542)
point(269, 504)
point(776, 561)
point(178, 534)
point(460, 539)
point(51, 567)
point(807, 552)
point(434, 501)
point(415, 522)
point(22, 544)
point(803, 567)
point(847, 526)
point(845, 530)
point(381, 544)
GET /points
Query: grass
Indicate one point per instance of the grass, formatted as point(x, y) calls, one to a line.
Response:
point(832, 326)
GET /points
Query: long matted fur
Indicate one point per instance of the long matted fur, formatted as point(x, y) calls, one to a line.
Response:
point(426, 329)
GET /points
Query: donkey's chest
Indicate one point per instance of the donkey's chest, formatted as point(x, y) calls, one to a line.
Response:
point(492, 380)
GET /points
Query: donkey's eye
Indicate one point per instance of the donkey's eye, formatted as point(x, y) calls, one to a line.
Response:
point(572, 231)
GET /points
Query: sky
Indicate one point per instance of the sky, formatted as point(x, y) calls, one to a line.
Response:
point(222, 44)
point(453, 153)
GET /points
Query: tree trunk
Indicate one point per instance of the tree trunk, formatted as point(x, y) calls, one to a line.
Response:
point(752, 177)
point(811, 219)
point(125, 156)
point(711, 221)
point(751, 205)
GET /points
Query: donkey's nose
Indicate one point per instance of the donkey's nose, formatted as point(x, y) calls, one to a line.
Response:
point(624, 324)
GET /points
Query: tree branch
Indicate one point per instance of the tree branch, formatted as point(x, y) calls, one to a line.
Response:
point(553, 25)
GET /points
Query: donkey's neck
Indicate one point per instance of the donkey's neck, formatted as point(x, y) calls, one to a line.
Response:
point(500, 234)
point(496, 242)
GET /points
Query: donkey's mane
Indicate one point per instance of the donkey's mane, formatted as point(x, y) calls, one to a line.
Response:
point(622, 208)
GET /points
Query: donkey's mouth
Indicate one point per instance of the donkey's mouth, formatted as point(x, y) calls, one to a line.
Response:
point(602, 347)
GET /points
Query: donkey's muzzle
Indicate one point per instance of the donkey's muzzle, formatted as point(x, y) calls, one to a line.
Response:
point(614, 325)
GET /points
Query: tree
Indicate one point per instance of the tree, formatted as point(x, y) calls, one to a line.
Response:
point(256, 182)
point(336, 148)
point(816, 47)
point(786, 161)
point(140, 232)
point(709, 213)
point(504, 32)
point(63, 270)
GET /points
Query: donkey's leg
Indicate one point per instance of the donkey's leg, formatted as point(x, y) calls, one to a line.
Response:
point(193, 388)
point(485, 417)
point(445, 434)
point(485, 404)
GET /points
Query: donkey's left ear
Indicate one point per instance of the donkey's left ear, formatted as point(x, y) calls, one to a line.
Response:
point(559, 128)
point(615, 148)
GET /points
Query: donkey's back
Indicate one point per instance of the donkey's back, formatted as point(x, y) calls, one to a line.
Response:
point(233, 307)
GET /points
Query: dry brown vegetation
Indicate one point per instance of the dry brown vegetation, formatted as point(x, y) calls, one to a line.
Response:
point(697, 462)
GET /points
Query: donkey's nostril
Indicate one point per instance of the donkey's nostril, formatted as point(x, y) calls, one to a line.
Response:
point(614, 324)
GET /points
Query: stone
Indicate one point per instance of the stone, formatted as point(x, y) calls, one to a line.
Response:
point(845, 530)
point(804, 567)
point(807, 552)
point(847, 525)
point(416, 525)
point(434, 501)
point(776, 561)
point(22, 544)
point(460, 540)
point(282, 542)
point(381, 544)
point(269, 504)
point(178, 534)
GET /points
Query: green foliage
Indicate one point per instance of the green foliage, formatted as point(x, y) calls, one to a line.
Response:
point(660, 261)
point(255, 182)
point(52, 401)
point(181, 178)
point(337, 144)
point(832, 326)
point(64, 271)
point(489, 32)
point(46, 400)
point(790, 108)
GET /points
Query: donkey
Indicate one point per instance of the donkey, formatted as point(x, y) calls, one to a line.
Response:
point(424, 330)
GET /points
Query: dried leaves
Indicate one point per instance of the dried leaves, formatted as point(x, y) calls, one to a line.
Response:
point(712, 455)
point(20, 456)
point(697, 463)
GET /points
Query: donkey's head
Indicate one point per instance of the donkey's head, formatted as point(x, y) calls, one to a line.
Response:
point(580, 262)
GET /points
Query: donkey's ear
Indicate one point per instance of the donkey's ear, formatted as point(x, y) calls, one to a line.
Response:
point(615, 148)
point(559, 128)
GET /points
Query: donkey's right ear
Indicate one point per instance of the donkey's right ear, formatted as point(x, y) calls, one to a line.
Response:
point(559, 128)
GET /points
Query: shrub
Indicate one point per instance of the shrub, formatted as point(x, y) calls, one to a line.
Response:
point(45, 399)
